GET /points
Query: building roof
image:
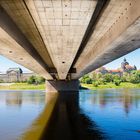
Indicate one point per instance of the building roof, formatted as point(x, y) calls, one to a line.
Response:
point(129, 67)
point(116, 71)
point(17, 69)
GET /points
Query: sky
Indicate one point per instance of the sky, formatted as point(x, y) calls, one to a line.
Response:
point(133, 58)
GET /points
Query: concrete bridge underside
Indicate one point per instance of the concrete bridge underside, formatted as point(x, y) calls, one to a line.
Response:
point(64, 39)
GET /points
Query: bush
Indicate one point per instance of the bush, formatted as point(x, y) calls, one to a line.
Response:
point(39, 80)
point(135, 77)
point(117, 82)
point(101, 81)
point(108, 78)
point(86, 79)
point(95, 84)
point(35, 80)
point(116, 77)
point(31, 80)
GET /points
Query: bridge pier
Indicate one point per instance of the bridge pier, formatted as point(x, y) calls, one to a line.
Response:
point(62, 85)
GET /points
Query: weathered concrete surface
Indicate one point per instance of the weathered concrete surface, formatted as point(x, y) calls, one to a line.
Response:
point(125, 43)
point(19, 13)
point(62, 85)
point(122, 37)
point(55, 30)
point(12, 50)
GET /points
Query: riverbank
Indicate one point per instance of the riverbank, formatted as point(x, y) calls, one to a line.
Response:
point(111, 85)
point(26, 86)
point(21, 86)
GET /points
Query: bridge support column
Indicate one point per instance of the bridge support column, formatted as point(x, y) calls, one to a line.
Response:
point(62, 85)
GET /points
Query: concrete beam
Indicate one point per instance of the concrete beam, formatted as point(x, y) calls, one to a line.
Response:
point(121, 38)
point(101, 4)
point(12, 50)
point(62, 25)
point(7, 24)
point(20, 14)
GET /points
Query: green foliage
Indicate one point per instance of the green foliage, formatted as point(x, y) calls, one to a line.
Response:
point(116, 77)
point(108, 77)
point(86, 79)
point(95, 84)
point(135, 77)
point(117, 82)
point(1, 81)
point(35, 80)
point(102, 79)
point(94, 76)
point(39, 80)
point(31, 80)
point(126, 77)
point(23, 86)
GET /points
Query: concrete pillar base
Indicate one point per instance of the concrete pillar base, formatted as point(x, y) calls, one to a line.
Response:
point(62, 85)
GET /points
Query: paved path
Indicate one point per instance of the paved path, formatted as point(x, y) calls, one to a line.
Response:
point(6, 84)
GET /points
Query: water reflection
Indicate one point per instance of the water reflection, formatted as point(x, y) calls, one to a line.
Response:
point(18, 109)
point(127, 98)
point(99, 114)
point(40, 124)
point(14, 99)
point(70, 123)
point(115, 111)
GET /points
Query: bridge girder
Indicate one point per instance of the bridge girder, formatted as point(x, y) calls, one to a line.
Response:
point(33, 31)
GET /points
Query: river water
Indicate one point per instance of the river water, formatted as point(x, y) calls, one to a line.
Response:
point(18, 109)
point(113, 113)
point(116, 112)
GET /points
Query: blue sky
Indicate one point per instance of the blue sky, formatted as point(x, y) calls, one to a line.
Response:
point(133, 58)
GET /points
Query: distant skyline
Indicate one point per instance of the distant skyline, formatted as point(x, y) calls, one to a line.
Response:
point(133, 58)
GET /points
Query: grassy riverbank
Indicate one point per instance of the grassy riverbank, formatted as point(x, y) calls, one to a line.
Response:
point(25, 86)
point(22, 86)
point(112, 85)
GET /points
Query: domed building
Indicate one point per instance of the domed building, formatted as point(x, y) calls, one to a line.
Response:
point(125, 67)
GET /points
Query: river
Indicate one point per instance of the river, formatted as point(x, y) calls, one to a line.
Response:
point(113, 113)
point(116, 112)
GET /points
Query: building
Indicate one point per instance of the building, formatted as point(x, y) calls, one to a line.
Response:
point(125, 67)
point(15, 75)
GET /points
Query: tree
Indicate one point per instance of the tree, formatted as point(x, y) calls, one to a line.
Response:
point(35, 80)
point(95, 83)
point(39, 80)
point(117, 82)
point(86, 79)
point(108, 77)
point(116, 77)
point(31, 80)
point(135, 77)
